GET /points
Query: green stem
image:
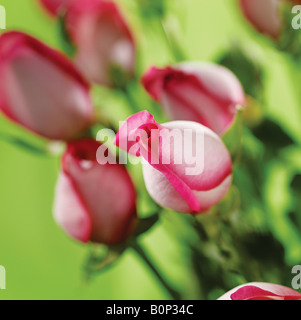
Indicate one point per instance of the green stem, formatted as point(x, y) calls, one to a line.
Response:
point(294, 75)
point(148, 262)
point(173, 46)
point(130, 99)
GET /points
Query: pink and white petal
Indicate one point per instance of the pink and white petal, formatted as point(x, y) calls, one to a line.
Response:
point(102, 37)
point(153, 81)
point(152, 149)
point(107, 191)
point(214, 96)
point(261, 291)
point(100, 186)
point(217, 80)
point(36, 100)
point(171, 186)
point(178, 108)
point(70, 212)
point(209, 163)
point(163, 192)
point(187, 101)
point(125, 137)
point(208, 199)
point(194, 91)
point(35, 77)
point(214, 163)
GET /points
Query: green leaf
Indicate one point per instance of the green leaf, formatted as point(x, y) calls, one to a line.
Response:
point(296, 183)
point(24, 145)
point(246, 67)
point(152, 8)
point(272, 135)
point(280, 202)
point(120, 79)
point(65, 42)
point(233, 136)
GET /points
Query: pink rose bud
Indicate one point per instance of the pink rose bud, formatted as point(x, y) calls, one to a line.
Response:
point(104, 41)
point(94, 202)
point(54, 7)
point(41, 90)
point(264, 15)
point(186, 166)
point(261, 291)
point(203, 92)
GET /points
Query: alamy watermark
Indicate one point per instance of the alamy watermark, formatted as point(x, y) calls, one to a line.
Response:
point(2, 278)
point(296, 22)
point(155, 146)
point(296, 282)
point(2, 18)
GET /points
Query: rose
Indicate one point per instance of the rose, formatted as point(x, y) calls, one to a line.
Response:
point(261, 291)
point(265, 15)
point(94, 202)
point(186, 166)
point(201, 92)
point(41, 90)
point(105, 45)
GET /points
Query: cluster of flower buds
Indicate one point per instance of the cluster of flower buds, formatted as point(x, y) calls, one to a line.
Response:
point(49, 94)
point(186, 165)
point(45, 92)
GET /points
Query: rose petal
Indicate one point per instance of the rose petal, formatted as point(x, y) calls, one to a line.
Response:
point(70, 212)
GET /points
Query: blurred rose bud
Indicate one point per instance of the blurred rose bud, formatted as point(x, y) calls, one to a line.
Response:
point(94, 202)
point(41, 90)
point(261, 291)
point(264, 15)
point(201, 92)
point(105, 46)
point(186, 166)
point(54, 7)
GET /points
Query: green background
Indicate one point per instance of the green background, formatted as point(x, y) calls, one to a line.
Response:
point(40, 261)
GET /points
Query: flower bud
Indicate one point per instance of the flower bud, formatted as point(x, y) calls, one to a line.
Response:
point(201, 92)
point(186, 166)
point(264, 15)
point(41, 90)
point(94, 202)
point(105, 46)
point(261, 291)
